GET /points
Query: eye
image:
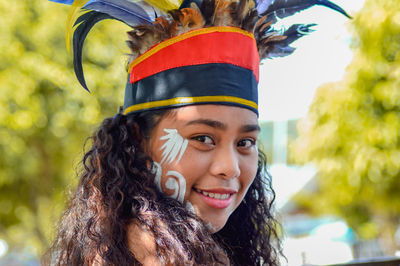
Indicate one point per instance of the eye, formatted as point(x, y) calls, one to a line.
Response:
point(246, 143)
point(204, 139)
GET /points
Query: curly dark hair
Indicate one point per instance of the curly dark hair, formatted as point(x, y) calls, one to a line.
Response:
point(116, 189)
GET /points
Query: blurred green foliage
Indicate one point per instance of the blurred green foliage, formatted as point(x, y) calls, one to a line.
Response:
point(45, 116)
point(352, 132)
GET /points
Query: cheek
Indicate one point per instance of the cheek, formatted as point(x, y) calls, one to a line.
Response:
point(192, 166)
point(178, 179)
point(249, 170)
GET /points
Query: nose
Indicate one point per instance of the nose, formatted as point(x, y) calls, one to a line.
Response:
point(225, 163)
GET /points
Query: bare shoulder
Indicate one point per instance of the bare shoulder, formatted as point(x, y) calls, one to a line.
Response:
point(142, 244)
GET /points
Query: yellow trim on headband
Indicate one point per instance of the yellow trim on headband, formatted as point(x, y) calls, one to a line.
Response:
point(185, 36)
point(189, 100)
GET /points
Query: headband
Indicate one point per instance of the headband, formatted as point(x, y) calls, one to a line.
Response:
point(196, 68)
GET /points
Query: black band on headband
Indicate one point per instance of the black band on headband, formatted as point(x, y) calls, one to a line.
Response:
point(204, 84)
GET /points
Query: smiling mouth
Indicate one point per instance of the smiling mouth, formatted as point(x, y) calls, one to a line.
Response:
point(214, 195)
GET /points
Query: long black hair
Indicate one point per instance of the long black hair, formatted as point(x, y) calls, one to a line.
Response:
point(116, 189)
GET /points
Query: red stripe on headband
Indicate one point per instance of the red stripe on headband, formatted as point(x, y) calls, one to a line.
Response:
point(204, 46)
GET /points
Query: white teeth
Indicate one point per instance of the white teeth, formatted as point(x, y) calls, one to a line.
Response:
point(214, 195)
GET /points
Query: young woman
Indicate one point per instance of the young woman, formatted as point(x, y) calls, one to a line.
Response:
point(176, 178)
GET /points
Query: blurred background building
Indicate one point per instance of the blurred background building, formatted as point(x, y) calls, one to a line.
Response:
point(326, 129)
point(309, 239)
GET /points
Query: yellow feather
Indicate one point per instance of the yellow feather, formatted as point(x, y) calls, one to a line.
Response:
point(72, 16)
point(165, 5)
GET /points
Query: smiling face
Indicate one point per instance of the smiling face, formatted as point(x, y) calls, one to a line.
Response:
point(206, 157)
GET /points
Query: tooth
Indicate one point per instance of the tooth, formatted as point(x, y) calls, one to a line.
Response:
point(213, 195)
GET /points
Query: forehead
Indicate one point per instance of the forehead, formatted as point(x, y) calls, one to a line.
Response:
point(229, 115)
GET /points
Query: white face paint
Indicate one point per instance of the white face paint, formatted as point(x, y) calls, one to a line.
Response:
point(157, 170)
point(174, 146)
point(174, 149)
point(177, 183)
point(189, 207)
point(211, 227)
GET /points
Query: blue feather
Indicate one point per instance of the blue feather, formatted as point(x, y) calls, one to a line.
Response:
point(84, 25)
point(295, 32)
point(67, 2)
point(262, 5)
point(125, 11)
point(284, 8)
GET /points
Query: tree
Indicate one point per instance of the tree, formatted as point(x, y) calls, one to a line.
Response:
point(45, 116)
point(352, 131)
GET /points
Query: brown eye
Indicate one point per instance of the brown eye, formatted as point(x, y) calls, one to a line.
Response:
point(246, 143)
point(204, 139)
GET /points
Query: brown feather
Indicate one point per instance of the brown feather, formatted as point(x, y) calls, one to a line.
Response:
point(173, 28)
point(250, 20)
point(162, 24)
point(222, 14)
point(276, 38)
point(243, 9)
point(198, 17)
point(259, 22)
point(190, 19)
point(207, 9)
point(265, 25)
point(236, 13)
point(144, 37)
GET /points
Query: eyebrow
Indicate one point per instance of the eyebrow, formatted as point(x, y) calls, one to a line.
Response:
point(208, 122)
point(250, 128)
point(222, 126)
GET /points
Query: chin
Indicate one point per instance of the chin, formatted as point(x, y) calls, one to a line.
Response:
point(214, 227)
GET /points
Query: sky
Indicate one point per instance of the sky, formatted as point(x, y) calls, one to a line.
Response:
point(287, 85)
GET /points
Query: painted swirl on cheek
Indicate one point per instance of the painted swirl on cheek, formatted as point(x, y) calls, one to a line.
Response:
point(177, 183)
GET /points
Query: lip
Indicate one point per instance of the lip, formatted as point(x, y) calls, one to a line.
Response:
point(217, 203)
point(219, 190)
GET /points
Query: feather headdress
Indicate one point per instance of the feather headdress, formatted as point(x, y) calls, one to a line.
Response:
point(197, 35)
